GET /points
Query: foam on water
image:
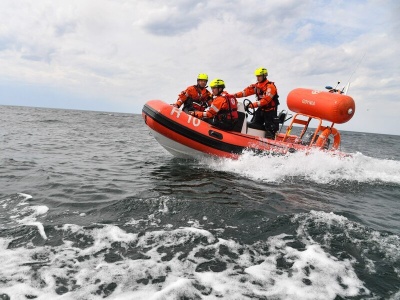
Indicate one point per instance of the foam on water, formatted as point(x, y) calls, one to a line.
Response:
point(316, 166)
point(20, 212)
point(92, 263)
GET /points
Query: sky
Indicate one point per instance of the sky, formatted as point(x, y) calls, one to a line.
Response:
point(115, 55)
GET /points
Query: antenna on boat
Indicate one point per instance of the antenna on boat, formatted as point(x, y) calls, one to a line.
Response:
point(346, 88)
point(331, 89)
point(337, 85)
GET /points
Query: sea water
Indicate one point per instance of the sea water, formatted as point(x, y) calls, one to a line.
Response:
point(92, 207)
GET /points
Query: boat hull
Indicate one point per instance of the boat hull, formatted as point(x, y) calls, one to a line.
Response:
point(188, 137)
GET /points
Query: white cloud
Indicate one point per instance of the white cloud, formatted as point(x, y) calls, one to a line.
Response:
point(127, 52)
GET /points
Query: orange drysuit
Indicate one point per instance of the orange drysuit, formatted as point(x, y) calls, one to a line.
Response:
point(265, 92)
point(194, 98)
point(224, 107)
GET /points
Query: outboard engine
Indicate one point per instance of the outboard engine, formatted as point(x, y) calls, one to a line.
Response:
point(280, 119)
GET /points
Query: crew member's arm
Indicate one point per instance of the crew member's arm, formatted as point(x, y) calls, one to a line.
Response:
point(184, 95)
point(211, 111)
point(267, 97)
point(250, 90)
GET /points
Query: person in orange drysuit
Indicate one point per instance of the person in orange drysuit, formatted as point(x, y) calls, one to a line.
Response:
point(195, 97)
point(266, 101)
point(222, 112)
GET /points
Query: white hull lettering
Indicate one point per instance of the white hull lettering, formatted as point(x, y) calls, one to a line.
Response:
point(195, 121)
point(177, 111)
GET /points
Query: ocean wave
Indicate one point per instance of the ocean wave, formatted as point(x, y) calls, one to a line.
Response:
point(189, 262)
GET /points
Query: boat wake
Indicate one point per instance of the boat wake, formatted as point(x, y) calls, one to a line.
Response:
point(315, 166)
point(190, 262)
point(18, 211)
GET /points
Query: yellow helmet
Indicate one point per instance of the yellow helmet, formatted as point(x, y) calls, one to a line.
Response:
point(217, 83)
point(261, 71)
point(202, 76)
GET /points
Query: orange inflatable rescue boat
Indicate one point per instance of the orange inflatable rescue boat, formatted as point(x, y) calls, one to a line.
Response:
point(188, 137)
